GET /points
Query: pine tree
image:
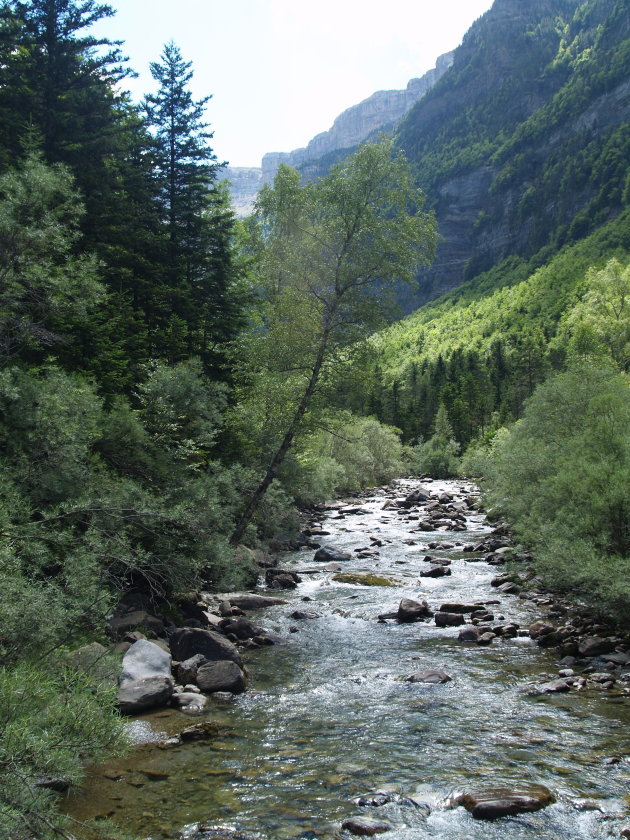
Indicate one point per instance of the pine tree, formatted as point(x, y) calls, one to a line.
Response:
point(199, 309)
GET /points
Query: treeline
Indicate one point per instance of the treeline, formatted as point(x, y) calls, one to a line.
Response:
point(482, 349)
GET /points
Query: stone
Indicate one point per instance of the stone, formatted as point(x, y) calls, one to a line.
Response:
point(365, 827)
point(145, 659)
point(254, 602)
point(596, 646)
point(551, 687)
point(431, 676)
point(330, 554)
point(486, 639)
point(540, 628)
point(460, 608)
point(374, 800)
point(436, 571)
point(188, 641)
point(187, 671)
point(409, 610)
point(469, 634)
point(222, 675)
point(303, 615)
point(242, 628)
point(136, 696)
point(188, 701)
point(494, 803)
point(121, 624)
point(444, 619)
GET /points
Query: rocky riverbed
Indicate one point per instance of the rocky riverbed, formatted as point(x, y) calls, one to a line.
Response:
point(403, 680)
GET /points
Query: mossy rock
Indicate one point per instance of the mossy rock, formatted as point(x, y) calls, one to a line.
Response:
point(363, 579)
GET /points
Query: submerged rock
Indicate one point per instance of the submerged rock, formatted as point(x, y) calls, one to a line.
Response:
point(365, 827)
point(367, 579)
point(493, 803)
point(431, 676)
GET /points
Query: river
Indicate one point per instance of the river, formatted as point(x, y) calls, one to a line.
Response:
point(329, 716)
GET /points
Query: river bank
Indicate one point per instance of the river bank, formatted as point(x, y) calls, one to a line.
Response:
point(334, 716)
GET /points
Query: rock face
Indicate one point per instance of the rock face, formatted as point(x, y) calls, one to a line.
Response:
point(356, 124)
point(492, 207)
point(378, 112)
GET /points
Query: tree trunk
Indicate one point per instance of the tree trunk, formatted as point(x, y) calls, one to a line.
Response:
point(287, 440)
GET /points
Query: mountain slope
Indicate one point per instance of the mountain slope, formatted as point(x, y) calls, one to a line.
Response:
point(525, 143)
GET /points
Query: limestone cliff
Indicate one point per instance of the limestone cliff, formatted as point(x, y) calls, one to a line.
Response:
point(378, 112)
point(356, 124)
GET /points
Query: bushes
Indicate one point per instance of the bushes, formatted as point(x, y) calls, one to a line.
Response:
point(349, 454)
point(438, 456)
point(562, 477)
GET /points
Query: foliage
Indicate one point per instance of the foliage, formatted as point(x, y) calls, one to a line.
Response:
point(45, 288)
point(328, 253)
point(344, 455)
point(51, 719)
point(483, 348)
point(437, 456)
point(562, 477)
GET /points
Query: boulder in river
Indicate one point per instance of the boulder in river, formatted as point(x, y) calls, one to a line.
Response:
point(187, 641)
point(224, 675)
point(330, 554)
point(253, 602)
point(595, 646)
point(493, 803)
point(431, 676)
point(365, 827)
point(145, 659)
point(136, 696)
point(445, 619)
point(436, 571)
point(469, 634)
point(409, 610)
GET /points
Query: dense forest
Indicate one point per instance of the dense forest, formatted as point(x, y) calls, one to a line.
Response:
point(174, 382)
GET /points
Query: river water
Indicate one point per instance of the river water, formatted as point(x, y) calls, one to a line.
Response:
point(328, 716)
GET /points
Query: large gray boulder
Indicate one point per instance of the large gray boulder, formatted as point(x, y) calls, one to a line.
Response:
point(143, 660)
point(137, 696)
point(189, 641)
point(221, 676)
point(410, 610)
point(330, 554)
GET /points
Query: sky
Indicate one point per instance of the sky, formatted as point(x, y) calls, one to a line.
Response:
point(280, 71)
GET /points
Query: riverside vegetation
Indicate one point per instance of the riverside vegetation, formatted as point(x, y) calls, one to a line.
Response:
point(162, 364)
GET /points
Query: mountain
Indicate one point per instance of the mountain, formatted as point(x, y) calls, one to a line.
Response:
point(379, 112)
point(525, 143)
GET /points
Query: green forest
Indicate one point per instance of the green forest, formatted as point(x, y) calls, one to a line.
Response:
point(175, 384)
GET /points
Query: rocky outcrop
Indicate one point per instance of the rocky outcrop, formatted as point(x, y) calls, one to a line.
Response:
point(354, 125)
point(379, 112)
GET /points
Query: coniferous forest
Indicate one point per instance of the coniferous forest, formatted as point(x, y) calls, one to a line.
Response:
point(176, 383)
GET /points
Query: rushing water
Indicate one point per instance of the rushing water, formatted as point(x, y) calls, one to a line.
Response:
point(329, 717)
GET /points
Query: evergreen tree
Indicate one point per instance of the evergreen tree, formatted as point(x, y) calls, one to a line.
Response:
point(199, 310)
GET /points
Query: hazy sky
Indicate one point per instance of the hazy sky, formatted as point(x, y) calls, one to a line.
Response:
point(280, 71)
